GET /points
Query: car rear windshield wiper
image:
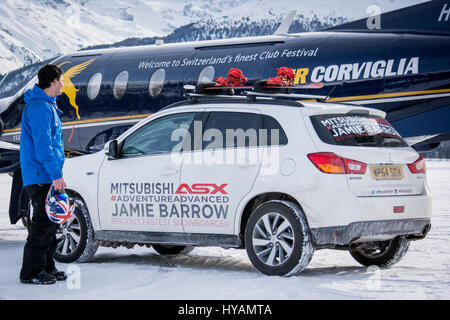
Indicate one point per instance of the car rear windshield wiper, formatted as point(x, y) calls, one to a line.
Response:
point(389, 142)
point(368, 143)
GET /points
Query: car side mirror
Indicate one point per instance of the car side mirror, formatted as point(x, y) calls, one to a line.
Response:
point(113, 150)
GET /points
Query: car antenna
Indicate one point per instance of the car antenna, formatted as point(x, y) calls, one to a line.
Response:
point(329, 93)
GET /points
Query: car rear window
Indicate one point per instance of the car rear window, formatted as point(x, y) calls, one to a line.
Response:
point(249, 125)
point(356, 130)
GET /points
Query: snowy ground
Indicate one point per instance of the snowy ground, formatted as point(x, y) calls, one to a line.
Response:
point(214, 273)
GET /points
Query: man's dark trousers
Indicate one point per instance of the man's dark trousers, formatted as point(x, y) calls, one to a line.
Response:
point(41, 241)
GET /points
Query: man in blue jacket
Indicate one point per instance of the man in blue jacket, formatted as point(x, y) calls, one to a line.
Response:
point(42, 160)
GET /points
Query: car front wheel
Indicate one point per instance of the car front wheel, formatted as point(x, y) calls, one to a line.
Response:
point(75, 237)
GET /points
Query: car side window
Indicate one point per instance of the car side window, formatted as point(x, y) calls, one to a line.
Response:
point(231, 130)
point(158, 136)
point(275, 133)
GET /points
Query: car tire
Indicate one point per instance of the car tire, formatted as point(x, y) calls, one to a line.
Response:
point(381, 253)
point(284, 250)
point(75, 237)
point(166, 249)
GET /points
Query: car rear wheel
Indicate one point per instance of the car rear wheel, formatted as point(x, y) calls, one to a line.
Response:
point(166, 249)
point(75, 237)
point(277, 239)
point(381, 253)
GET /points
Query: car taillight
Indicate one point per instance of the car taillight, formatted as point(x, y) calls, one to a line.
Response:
point(418, 166)
point(354, 167)
point(329, 162)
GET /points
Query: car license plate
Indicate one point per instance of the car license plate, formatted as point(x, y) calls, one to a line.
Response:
point(386, 172)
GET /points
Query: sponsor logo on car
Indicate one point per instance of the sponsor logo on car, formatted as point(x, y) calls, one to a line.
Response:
point(198, 204)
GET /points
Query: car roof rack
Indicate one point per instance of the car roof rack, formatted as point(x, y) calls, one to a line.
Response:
point(208, 92)
point(254, 95)
point(196, 96)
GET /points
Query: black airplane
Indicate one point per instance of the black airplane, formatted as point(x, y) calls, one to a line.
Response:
point(397, 62)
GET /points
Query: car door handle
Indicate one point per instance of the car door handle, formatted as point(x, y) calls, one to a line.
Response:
point(168, 171)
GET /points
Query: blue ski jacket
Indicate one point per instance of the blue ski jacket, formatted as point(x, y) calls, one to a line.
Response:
point(41, 143)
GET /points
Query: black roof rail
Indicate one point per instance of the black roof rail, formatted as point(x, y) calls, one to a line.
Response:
point(194, 97)
point(285, 95)
point(252, 96)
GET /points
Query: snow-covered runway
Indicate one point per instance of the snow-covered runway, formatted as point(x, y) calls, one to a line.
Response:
point(214, 273)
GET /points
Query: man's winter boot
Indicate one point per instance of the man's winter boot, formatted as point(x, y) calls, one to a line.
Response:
point(59, 275)
point(41, 278)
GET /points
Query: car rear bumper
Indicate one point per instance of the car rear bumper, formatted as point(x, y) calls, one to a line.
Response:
point(332, 206)
point(365, 231)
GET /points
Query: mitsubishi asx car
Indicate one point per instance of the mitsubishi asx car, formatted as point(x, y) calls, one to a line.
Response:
point(276, 177)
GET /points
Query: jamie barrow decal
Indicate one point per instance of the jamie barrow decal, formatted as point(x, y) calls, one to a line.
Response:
point(195, 205)
point(343, 127)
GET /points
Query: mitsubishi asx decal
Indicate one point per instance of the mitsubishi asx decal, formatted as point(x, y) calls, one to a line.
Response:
point(157, 203)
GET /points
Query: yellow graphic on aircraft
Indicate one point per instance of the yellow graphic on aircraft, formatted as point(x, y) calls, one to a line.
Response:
point(69, 89)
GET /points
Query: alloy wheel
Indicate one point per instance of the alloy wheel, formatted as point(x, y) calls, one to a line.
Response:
point(68, 236)
point(273, 239)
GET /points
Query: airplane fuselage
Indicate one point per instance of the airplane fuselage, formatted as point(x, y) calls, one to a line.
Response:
point(405, 75)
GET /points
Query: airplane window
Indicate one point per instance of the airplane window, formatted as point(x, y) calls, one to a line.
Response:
point(157, 82)
point(94, 85)
point(120, 84)
point(206, 75)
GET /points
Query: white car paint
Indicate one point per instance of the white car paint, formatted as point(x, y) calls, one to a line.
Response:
point(226, 189)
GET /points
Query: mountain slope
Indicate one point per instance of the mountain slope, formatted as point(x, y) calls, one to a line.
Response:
point(210, 29)
point(35, 30)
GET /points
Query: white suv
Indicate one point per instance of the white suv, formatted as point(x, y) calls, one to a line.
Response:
point(279, 178)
